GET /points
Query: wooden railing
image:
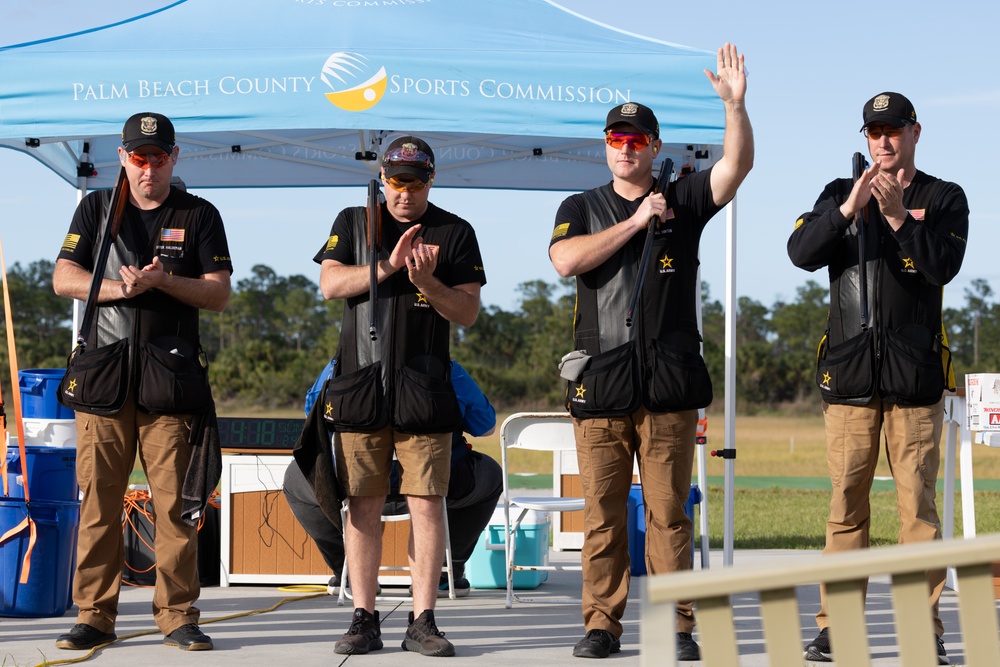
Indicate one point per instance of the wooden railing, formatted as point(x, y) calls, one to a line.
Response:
point(843, 574)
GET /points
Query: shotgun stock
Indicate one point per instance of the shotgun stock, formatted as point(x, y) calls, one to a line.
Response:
point(661, 186)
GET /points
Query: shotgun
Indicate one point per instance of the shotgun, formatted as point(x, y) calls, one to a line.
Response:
point(374, 231)
point(113, 216)
point(661, 186)
point(858, 166)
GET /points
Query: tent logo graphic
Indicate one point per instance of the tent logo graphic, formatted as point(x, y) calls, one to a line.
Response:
point(354, 83)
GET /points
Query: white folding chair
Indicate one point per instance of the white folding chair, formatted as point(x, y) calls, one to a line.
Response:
point(544, 431)
point(386, 518)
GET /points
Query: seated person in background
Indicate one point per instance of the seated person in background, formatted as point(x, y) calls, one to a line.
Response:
point(475, 487)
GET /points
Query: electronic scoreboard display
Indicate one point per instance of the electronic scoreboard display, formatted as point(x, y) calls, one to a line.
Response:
point(259, 432)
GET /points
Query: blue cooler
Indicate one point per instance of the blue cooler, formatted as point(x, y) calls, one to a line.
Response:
point(486, 567)
point(637, 526)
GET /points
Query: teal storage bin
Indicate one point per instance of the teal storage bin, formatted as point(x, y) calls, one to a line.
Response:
point(486, 568)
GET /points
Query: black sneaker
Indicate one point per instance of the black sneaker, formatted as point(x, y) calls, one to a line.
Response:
point(333, 586)
point(461, 587)
point(363, 636)
point(942, 654)
point(818, 649)
point(687, 647)
point(597, 644)
point(84, 637)
point(188, 638)
point(423, 637)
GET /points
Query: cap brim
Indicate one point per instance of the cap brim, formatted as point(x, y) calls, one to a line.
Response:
point(422, 174)
point(137, 143)
point(895, 121)
point(644, 130)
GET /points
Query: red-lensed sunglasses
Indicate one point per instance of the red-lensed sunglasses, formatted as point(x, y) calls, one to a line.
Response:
point(618, 140)
point(146, 160)
point(402, 184)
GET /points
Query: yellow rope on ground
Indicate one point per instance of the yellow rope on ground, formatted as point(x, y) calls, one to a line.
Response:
point(303, 588)
point(91, 652)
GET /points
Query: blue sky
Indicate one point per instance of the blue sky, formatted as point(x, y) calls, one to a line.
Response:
point(812, 67)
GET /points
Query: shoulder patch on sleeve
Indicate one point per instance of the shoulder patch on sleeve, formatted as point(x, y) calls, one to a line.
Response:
point(799, 223)
point(331, 242)
point(560, 231)
point(69, 244)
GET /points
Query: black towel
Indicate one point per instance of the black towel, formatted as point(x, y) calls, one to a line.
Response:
point(205, 467)
point(314, 456)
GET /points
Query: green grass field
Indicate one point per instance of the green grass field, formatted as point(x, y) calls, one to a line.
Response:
point(782, 488)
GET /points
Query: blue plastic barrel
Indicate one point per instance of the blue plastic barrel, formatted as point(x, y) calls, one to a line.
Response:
point(48, 589)
point(637, 526)
point(51, 474)
point(39, 393)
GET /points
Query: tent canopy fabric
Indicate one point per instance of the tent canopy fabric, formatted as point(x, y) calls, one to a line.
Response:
point(273, 93)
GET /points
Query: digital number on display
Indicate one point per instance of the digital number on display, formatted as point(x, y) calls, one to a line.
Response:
point(263, 433)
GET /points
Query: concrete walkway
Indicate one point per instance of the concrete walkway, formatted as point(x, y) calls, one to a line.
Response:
point(539, 631)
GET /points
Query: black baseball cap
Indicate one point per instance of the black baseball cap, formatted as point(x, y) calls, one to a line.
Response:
point(148, 129)
point(889, 108)
point(636, 115)
point(409, 155)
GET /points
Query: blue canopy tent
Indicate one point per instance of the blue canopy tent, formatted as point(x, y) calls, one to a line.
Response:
point(265, 93)
point(276, 93)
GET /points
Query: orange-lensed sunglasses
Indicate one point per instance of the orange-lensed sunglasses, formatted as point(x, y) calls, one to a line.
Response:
point(618, 140)
point(405, 184)
point(146, 160)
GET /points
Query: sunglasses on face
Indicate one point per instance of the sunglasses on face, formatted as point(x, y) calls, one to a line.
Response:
point(405, 183)
point(146, 160)
point(887, 130)
point(618, 140)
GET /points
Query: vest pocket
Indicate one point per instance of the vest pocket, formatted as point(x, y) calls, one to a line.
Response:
point(846, 371)
point(912, 372)
point(96, 381)
point(172, 381)
point(678, 377)
point(353, 402)
point(424, 403)
point(608, 386)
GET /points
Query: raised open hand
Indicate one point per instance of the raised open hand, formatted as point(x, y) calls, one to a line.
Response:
point(730, 80)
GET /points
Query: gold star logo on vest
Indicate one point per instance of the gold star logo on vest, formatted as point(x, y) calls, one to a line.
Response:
point(580, 391)
point(826, 378)
point(421, 301)
point(72, 384)
point(908, 266)
point(329, 410)
point(667, 264)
